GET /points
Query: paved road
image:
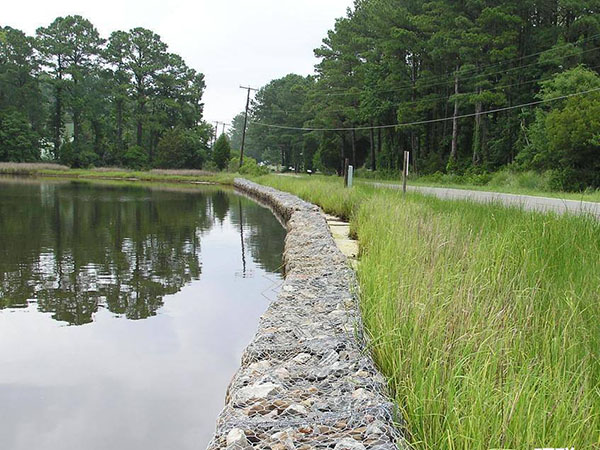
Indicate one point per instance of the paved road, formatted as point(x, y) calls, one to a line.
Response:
point(528, 202)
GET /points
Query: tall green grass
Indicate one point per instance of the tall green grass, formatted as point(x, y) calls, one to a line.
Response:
point(484, 319)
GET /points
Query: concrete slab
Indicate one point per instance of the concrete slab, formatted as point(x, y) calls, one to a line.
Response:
point(340, 231)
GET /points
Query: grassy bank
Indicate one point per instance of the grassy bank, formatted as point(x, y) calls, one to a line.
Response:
point(165, 176)
point(483, 318)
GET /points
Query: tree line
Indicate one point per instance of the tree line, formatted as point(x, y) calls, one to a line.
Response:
point(67, 94)
point(438, 68)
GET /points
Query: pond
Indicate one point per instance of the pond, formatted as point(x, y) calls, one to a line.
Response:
point(124, 310)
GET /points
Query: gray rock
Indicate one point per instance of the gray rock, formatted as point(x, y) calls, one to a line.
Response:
point(236, 440)
point(256, 392)
point(296, 410)
point(349, 444)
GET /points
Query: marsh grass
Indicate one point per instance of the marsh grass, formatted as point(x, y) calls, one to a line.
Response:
point(483, 318)
point(117, 173)
point(28, 168)
point(183, 172)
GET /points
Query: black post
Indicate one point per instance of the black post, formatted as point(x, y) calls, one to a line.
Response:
point(346, 164)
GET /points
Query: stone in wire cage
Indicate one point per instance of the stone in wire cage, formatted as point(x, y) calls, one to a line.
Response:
point(306, 380)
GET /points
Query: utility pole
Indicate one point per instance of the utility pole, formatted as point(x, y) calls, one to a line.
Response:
point(217, 123)
point(245, 122)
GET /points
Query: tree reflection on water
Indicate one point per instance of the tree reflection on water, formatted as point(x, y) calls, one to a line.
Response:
point(75, 247)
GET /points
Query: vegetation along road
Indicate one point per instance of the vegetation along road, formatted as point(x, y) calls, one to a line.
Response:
point(527, 202)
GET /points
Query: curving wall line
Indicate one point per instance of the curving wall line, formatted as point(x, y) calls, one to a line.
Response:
point(306, 381)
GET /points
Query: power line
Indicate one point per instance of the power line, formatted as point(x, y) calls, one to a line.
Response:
point(423, 122)
point(425, 98)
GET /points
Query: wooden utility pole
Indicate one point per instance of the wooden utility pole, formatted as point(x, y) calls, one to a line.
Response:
point(245, 122)
point(217, 123)
point(454, 146)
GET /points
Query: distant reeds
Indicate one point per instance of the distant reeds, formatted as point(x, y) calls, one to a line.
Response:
point(28, 168)
point(182, 172)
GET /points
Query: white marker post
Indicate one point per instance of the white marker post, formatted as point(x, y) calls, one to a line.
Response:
point(405, 170)
point(350, 175)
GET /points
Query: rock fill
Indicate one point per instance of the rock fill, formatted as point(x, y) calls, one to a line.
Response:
point(306, 380)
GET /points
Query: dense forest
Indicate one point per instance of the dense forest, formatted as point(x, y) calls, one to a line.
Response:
point(69, 95)
point(466, 86)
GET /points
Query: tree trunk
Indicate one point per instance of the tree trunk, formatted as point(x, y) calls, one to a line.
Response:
point(98, 139)
point(378, 141)
point(477, 132)
point(57, 121)
point(140, 115)
point(343, 152)
point(139, 129)
point(454, 146)
point(76, 128)
point(354, 148)
point(120, 124)
point(372, 142)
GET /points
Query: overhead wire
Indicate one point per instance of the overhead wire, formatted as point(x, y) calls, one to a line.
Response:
point(424, 122)
point(427, 98)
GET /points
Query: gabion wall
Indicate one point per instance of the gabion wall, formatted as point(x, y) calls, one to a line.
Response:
point(305, 380)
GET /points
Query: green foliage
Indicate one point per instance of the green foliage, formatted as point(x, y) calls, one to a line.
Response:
point(283, 101)
point(19, 84)
point(401, 61)
point(79, 158)
point(251, 167)
point(326, 158)
point(221, 152)
point(100, 96)
point(210, 166)
point(234, 164)
point(565, 135)
point(136, 157)
point(18, 142)
point(179, 148)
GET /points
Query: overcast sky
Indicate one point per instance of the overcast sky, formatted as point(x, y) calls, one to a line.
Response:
point(232, 42)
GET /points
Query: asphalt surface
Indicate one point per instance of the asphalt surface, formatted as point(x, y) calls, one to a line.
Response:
point(527, 202)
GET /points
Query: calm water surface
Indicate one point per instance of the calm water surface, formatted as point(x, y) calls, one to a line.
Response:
point(124, 310)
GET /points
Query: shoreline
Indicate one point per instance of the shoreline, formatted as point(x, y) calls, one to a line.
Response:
point(305, 379)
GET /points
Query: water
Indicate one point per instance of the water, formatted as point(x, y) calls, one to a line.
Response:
point(124, 310)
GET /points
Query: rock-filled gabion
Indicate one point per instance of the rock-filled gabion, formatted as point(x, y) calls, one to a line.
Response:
point(305, 380)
